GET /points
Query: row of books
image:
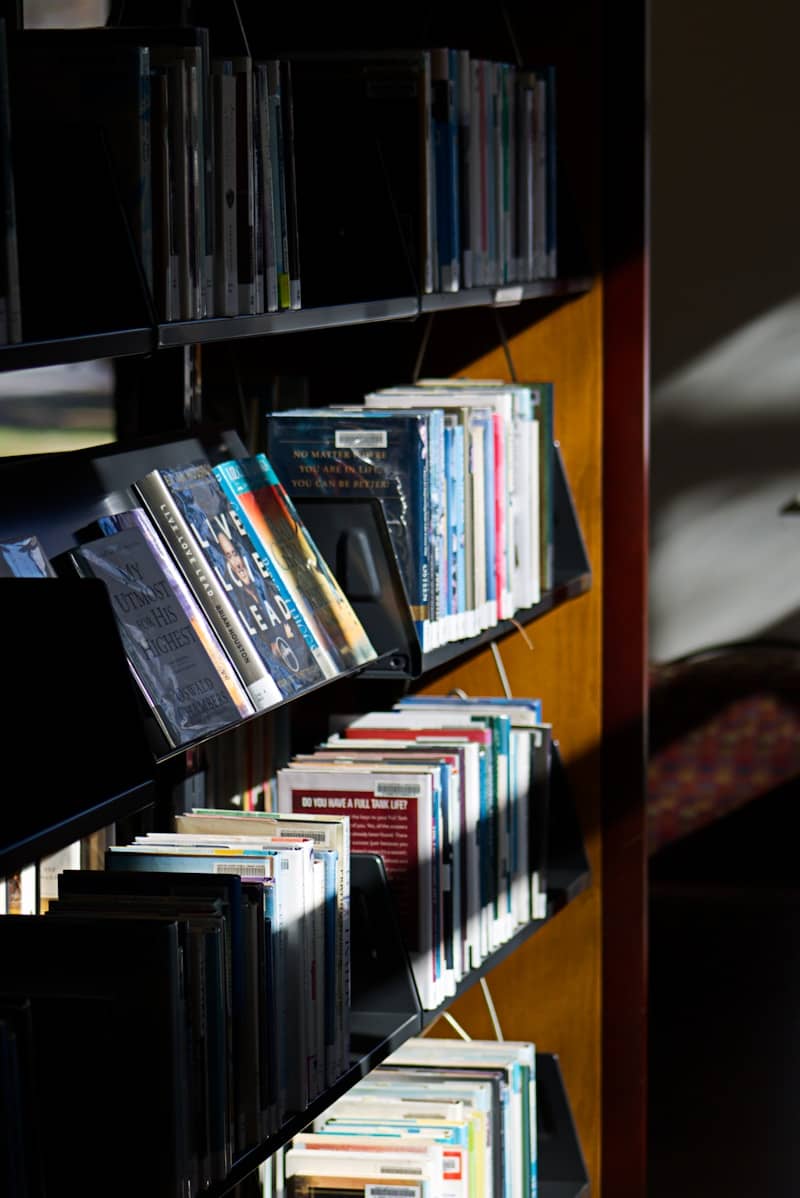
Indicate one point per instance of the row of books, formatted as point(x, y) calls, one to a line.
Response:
point(224, 605)
point(454, 794)
point(441, 1118)
point(246, 1000)
point(494, 171)
point(201, 147)
point(464, 471)
point(249, 993)
point(206, 152)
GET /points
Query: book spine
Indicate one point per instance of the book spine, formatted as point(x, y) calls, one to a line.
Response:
point(245, 199)
point(226, 285)
point(178, 535)
point(10, 314)
point(293, 232)
point(267, 188)
point(279, 181)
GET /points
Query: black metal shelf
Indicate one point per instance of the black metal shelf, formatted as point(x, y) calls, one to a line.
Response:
point(119, 343)
point(505, 295)
point(126, 342)
point(232, 328)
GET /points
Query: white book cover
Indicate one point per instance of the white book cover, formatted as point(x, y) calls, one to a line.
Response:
point(395, 818)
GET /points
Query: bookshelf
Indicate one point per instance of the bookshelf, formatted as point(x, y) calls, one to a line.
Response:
point(575, 984)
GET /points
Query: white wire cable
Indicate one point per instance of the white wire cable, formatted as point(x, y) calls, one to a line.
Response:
point(501, 669)
point(456, 1025)
point(498, 1031)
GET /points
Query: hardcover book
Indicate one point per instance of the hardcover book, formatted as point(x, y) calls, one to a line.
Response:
point(272, 521)
point(23, 557)
point(325, 453)
point(175, 657)
point(231, 580)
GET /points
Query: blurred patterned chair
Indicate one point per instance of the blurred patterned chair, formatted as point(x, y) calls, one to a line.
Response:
point(724, 731)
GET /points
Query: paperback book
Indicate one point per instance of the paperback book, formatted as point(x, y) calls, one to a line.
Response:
point(231, 580)
point(187, 680)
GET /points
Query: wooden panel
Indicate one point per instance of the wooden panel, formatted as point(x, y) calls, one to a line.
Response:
point(625, 507)
point(550, 990)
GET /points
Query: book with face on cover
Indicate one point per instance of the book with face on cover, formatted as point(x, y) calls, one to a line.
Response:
point(272, 520)
point(183, 673)
point(261, 631)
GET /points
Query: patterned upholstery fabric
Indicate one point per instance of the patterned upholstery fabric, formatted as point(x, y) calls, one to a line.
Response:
point(724, 729)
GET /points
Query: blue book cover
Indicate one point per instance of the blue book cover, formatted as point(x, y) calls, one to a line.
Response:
point(236, 568)
point(272, 519)
point(327, 453)
point(186, 678)
point(444, 122)
point(235, 485)
point(23, 557)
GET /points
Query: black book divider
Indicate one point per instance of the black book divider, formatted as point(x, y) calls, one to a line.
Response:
point(561, 1165)
point(80, 273)
point(353, 538)
point(385, 1007)
point(72, 722)
point(568, 869)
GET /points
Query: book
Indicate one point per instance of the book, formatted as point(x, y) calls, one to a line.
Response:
point(230, 580)
point(517, 1059)
point(445, 120)
point(273, 521)
point(330, 833)
point(235, 485)
point(24, 557)
point(199, 922)
point(86, 980)
point(226, 257)
point(394, 816)
point(242, 1028)
point(10, 310)
point(288, 862)
point(186, 678)
point(328, 453)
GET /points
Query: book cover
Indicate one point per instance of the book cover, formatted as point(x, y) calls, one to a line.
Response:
point(230, 578)
point(272, 518)
point(175, 657)
point(238, 487)
point(393, 816)
point(325, 453)
point(24, 557)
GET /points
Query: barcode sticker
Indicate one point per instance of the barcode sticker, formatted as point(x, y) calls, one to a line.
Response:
point(384, 1191)
point(360, 438)
point(398, 790)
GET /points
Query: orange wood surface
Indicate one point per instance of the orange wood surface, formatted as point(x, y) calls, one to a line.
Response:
point(549, 991)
